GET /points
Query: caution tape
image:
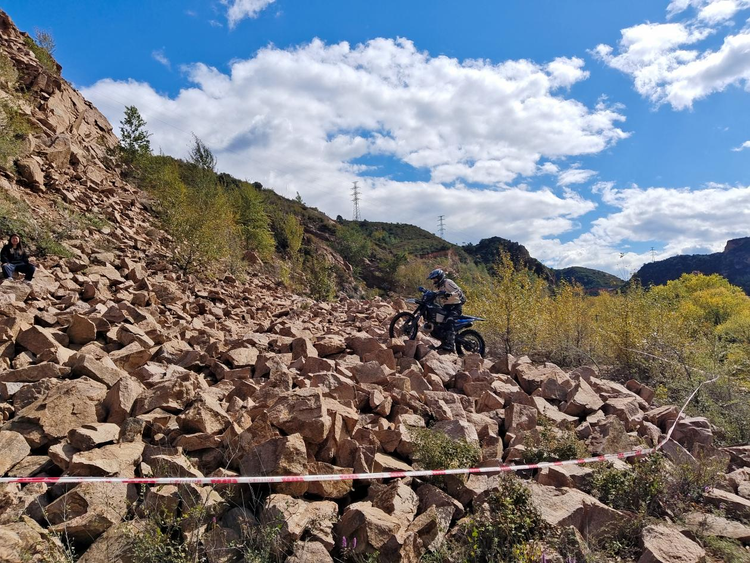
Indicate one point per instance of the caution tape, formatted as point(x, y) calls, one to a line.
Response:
point(271, 479)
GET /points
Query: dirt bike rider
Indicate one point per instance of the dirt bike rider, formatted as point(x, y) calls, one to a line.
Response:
point(452, 299)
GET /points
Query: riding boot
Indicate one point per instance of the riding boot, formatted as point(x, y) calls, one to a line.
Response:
point(449, 341)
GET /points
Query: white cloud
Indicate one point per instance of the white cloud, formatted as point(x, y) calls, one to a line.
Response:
point(668, 66)
point(238, 10)
point(574, 175)
point(743, 146)
point(159, 56)
point(298, 120)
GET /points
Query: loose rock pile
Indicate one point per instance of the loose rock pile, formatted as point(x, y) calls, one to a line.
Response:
point(114, 364)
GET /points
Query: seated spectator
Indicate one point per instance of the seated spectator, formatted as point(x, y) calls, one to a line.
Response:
point(14, 258)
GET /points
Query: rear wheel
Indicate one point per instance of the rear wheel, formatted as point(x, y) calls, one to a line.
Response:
point(404, 325)
point(469, 342)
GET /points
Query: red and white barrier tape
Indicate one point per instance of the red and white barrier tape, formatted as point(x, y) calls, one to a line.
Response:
point(267, 479)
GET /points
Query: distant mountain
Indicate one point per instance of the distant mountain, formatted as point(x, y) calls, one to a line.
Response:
point(487, 250)
point(733, 263)
point(590, 279)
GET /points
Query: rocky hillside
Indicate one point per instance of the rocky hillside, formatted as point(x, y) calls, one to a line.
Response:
point(114, 364)
point(733, 263)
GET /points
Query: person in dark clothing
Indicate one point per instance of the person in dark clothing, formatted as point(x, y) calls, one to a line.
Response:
point(14, 258)
point(452, 300)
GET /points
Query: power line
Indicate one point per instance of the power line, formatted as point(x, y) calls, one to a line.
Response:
point(441, 226)
point(355, 200)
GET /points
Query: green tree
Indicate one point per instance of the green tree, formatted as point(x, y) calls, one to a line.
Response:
point(254, 221)
point(134, 143)
point(353, 245)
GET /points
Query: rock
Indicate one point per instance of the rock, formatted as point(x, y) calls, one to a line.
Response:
point(108, 374)
point(90, 436)
point(297, 517)
point(712, 525)
point(396, 499)
point(26, 540)
point(732, 504)
point(28, 168)
point(120, 398)
point(626, 409)
point(581, 400)
point(171, 395)
point(285, 455)
point(35, 373)
point(131, 357)
point(371, 373)
point(204, 415)
point(14, 449)
point(114, 460)
point(442, 366)
point(309, 551)
point(302, 412)
point(328, 489)
point(37, 340)
point(430, 495)
point(519, 418)
point(458, 430)
point(570, 507)
point(88, 510)
point(371, 527)
point(113, 546)
point(65, 406)
point(663, 544)
point(329, 344)
point(241, 357)
point(81, 330)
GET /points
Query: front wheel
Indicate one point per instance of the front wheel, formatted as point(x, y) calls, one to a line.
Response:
point(404, 325)
point(469, 342)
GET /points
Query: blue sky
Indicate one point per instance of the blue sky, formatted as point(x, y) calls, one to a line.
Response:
point(590, 131)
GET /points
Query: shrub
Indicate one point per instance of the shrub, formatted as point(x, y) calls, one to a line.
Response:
point(353, 245)
point(504, 527)
point(639, 490)
point(13, 130)
point(42, 55)
point(8, 72)
point(620, 540)
point(436, 450)
point(254, 221)
point(288, 232)
point(553, 444)
point(321, 279)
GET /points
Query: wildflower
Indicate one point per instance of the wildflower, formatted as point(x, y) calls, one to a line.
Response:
point(343, 542)
point(354, 543)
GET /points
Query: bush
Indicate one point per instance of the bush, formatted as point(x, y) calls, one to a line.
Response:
point(42, 55)
point(553, 444)
point(8, 72)
point(639, 490)
point(436, 450)
point(288, 232)
point(353, 245)
point(321, 278)
point(504, 528)
point(13, 131)
point(253, 220)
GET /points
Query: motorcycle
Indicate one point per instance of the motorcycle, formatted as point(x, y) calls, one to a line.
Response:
point(407, 325)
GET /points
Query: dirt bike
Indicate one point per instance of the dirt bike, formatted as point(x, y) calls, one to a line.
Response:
point(407, 325)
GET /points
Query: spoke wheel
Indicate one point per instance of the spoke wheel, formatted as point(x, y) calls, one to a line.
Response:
point(470, 342)
point(404, 325)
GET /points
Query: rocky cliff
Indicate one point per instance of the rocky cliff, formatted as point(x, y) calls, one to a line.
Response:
point(114, 364)
point(732, 263)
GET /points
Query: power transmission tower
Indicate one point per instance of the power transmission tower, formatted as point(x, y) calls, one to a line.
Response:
point(441, 226)
point(653, 254)
point(355, 199)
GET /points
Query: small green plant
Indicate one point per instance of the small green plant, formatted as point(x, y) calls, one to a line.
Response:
point(620, 540)
point(8, 72)
point(639, 490)
point(42, 55)
point(505, 528)
point(436, 450)
point(262, 543)
point(729, 551)
point(553, 444)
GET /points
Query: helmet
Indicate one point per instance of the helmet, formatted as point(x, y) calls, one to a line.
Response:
point(438, 275)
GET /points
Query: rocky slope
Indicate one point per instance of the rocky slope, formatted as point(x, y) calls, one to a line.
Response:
point(112, 363)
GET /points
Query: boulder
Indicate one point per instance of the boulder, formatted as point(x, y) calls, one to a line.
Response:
point(33, 373)
point(88, 510)
point(25, 540)
point(14, 449)
point(120, 398)
point(732, 504)
point(172, 395)
point(302, 412)
point(712, 525)
point(370, 526)
point(298, 517)
point(90, 436)
point(581, 400)
point(37, 340)
point(65, 406)
point(114, 460)
point(664, 544)
point(98, 370)
point(81, 330)
point(285, 455)
point(204, 415)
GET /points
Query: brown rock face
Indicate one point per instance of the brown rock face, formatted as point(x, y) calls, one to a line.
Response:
point(81, 330)
point(14, 448)
point(371, 527)
point(285, 455)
